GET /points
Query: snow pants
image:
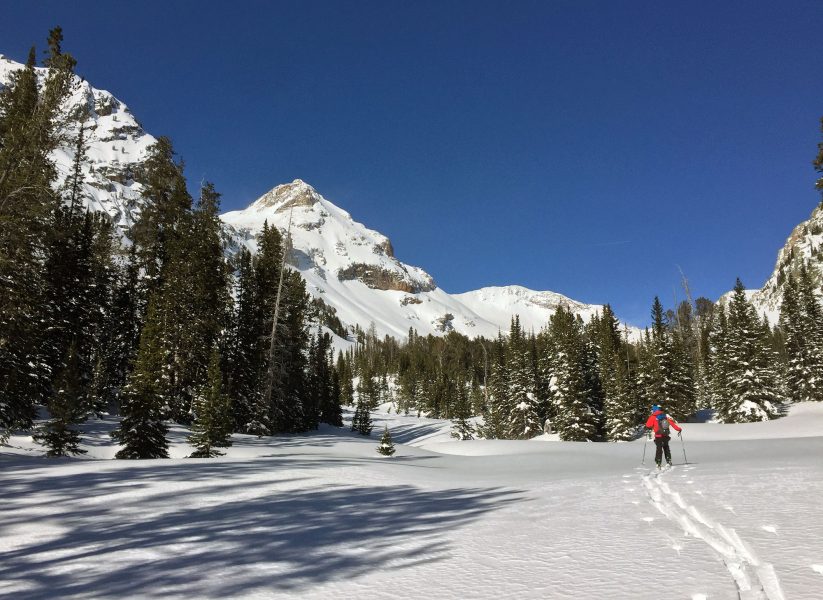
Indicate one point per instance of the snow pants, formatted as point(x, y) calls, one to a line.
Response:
point(662, 444)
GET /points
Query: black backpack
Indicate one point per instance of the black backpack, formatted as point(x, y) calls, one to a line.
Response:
point(663, 425)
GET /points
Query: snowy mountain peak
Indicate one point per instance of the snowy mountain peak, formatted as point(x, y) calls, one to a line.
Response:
point(354, 270)
point(351, 267)
point(115, 144)
point(283, 197)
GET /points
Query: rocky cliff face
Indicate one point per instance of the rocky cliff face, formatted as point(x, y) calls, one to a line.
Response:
point(327, 240)
point(804, 245)
point(116, 145)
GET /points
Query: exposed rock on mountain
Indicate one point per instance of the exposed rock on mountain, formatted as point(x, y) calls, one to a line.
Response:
point(804, 245)
point(116, 145)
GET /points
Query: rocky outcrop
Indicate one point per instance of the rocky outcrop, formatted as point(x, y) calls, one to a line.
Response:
point(290, 195)
point(379, 278)
point(804, 246)
point(384, 247)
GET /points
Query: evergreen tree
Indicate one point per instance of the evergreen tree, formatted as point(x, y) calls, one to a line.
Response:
point(362, 422)
point(32, 126)
point(386, 447)
point(719, 367)
point(793, 325)
point(520, 406)
point(494, 426)
point(260, 416)
point(245, 353)
point(164, 214)
point(812, 331)
point(212, 414)
point(619, 405)
point(324, 382)
point(67, 409)
point(462, 428)
point(286, 364)
point(119, 336)
point(753, 388)
point(202, 299)
point(575, 418)
point(346, 380)
point(671, 383)
point(545, 372)
point(142, 431)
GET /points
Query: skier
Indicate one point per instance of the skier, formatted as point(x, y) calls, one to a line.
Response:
point(660, 423)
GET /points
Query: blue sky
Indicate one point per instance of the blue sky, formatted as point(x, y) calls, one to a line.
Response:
point(589, 148)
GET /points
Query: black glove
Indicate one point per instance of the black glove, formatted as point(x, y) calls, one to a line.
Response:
point(678, 433)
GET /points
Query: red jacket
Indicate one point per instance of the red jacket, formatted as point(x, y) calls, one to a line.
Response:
point(652, 423)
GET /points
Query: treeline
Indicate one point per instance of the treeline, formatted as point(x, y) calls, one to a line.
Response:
point(593, 383)
point(168, 329)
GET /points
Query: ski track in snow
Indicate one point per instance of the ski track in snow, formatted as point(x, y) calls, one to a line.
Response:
point(755, 579)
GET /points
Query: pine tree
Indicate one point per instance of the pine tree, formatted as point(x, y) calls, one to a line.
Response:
point(163, 216)
point(362, 422)
point(494, 426)
point(325, 382)
point(671, 382)
point(142, 431)
point(793, 324)
point(718, 359)
point(812, 328)
point(618, 403)
point(386, 447)
point(202, 298)
point(752, 384)
point(260, 416)
point(346, 380)
point(32, 126)
point(575, 419)
point(77, 278)
point(67, 409)
point(162, 249)
point(520, 406)
point(462, 428)
point(120, 335)
point(212, 414)
point(245, 353)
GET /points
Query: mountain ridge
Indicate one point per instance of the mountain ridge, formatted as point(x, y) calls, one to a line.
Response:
point(355, 270)
point(351, 267)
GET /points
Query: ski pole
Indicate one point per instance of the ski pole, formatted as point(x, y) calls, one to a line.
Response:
point(645, 441)
point(682, 443)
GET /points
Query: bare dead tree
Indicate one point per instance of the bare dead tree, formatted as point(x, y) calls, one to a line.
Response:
point(273, 339)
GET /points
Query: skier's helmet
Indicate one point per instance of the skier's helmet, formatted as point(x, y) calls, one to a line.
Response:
point(655, 407)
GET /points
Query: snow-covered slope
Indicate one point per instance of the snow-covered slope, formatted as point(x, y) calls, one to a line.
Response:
point(805, 245)
point(353, 269)
point(322, 515)
point(116, 144)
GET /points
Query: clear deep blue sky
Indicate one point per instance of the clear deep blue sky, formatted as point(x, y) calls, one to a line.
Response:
point(584, 147)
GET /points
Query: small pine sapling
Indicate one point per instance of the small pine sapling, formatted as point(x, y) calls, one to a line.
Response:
point(386, 447)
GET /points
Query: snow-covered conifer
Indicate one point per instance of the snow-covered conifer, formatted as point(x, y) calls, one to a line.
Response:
point(386, 447)
point(212, 415)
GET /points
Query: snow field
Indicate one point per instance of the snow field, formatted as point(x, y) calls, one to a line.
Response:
point(323, 515)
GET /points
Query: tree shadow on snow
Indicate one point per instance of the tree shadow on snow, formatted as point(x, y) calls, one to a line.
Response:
point(403, 434)
point(211, 535)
